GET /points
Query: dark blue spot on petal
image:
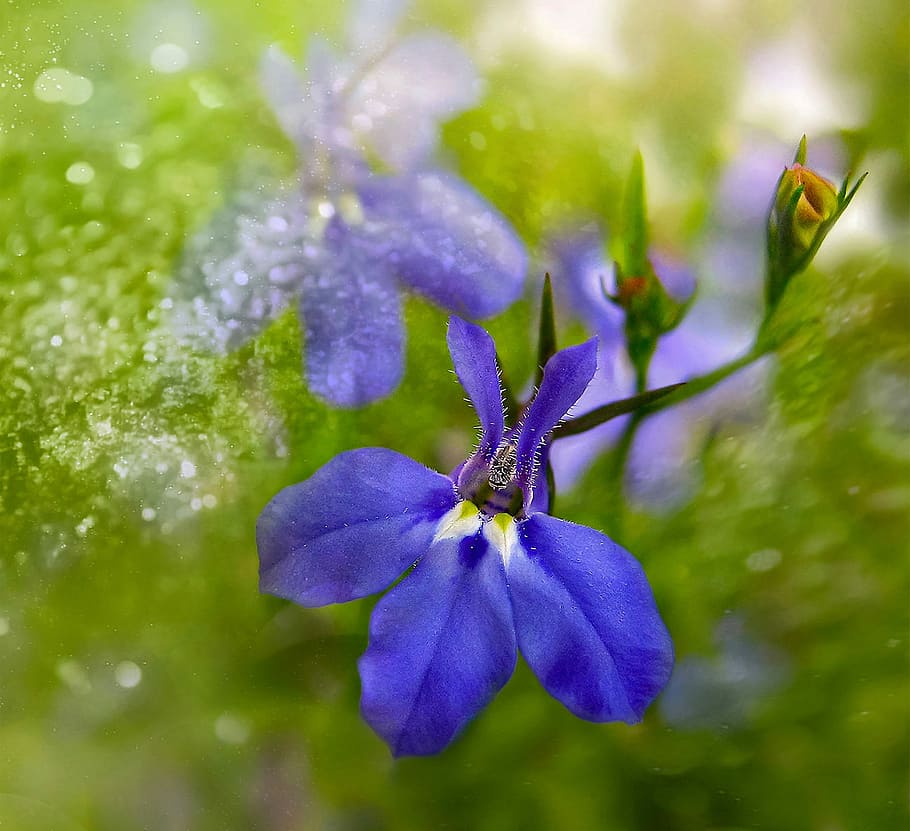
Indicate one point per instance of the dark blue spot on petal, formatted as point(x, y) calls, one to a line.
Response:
point(471, 549)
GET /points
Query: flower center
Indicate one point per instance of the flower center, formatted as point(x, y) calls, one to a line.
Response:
point(491, 485)
point(502, 468)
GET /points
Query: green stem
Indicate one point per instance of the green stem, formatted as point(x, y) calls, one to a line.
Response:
point(618, 473)
point(696, 386)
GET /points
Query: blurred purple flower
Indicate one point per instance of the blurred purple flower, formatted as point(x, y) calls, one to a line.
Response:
point(342, 239)
point(725, 691)
point(491, 571)
point(662, 461)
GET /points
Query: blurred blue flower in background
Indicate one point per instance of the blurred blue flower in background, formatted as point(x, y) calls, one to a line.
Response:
point(726, 691)
point(490, 570)
point(367, 214)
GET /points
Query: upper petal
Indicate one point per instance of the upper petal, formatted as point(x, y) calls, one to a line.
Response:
point(565, 377)
point(398, 119)
point(352, 324)
point(371, 25)
point(474, 356)
point(571, 456)
point(449, 243)
point(442, 644)
point(586, 620)
point(350, 529)
point(289, 96)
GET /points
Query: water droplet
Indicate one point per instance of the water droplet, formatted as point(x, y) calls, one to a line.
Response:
point(129, 155)
point(56, 85)
point(80, 173)
point(148, 514)
point(127, 674)
point(232, 729)
point(210, 94)
point(187, 469)
point(169, 58)
point(56, 340)
point(85, 526)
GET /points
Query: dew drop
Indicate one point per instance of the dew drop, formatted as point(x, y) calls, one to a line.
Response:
point(232, 729)
point(127, 675)
point(59, 85)
point(80, 173)
point(129, 155)
point(169, 58)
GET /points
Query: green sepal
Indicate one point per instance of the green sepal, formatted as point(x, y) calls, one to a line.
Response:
point(546, 337)
point(633, 239)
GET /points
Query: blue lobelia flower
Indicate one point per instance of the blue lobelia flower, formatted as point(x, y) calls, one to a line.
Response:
point(342, 239)
point(492, 571)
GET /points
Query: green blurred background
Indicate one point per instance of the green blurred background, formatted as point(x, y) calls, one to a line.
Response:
point(144, 682)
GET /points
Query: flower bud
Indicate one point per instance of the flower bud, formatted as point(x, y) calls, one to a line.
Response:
point(816, 204)
point(805, 208)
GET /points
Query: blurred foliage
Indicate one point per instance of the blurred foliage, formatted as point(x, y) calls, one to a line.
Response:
point(132, 472)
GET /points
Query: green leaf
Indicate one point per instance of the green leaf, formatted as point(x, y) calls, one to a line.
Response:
point(800, 157)
point(612, 410)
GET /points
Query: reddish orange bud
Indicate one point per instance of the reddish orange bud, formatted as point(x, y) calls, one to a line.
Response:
point(630, 288)
point(817, 203)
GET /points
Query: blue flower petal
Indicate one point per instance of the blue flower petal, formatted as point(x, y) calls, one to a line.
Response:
point(397, 119)
point(442, 644)
point(372, 24)
point(586, 620)
point(300, 101)
point(565, 377)
point(350, 529)
point(581, 275)
point(448, 242)
point(243, 268)
point(352, 323)
point(474, 356)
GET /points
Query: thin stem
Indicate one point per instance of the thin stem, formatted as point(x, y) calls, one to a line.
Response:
point(617, 474)
point(614, 409)
point(696, 386)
